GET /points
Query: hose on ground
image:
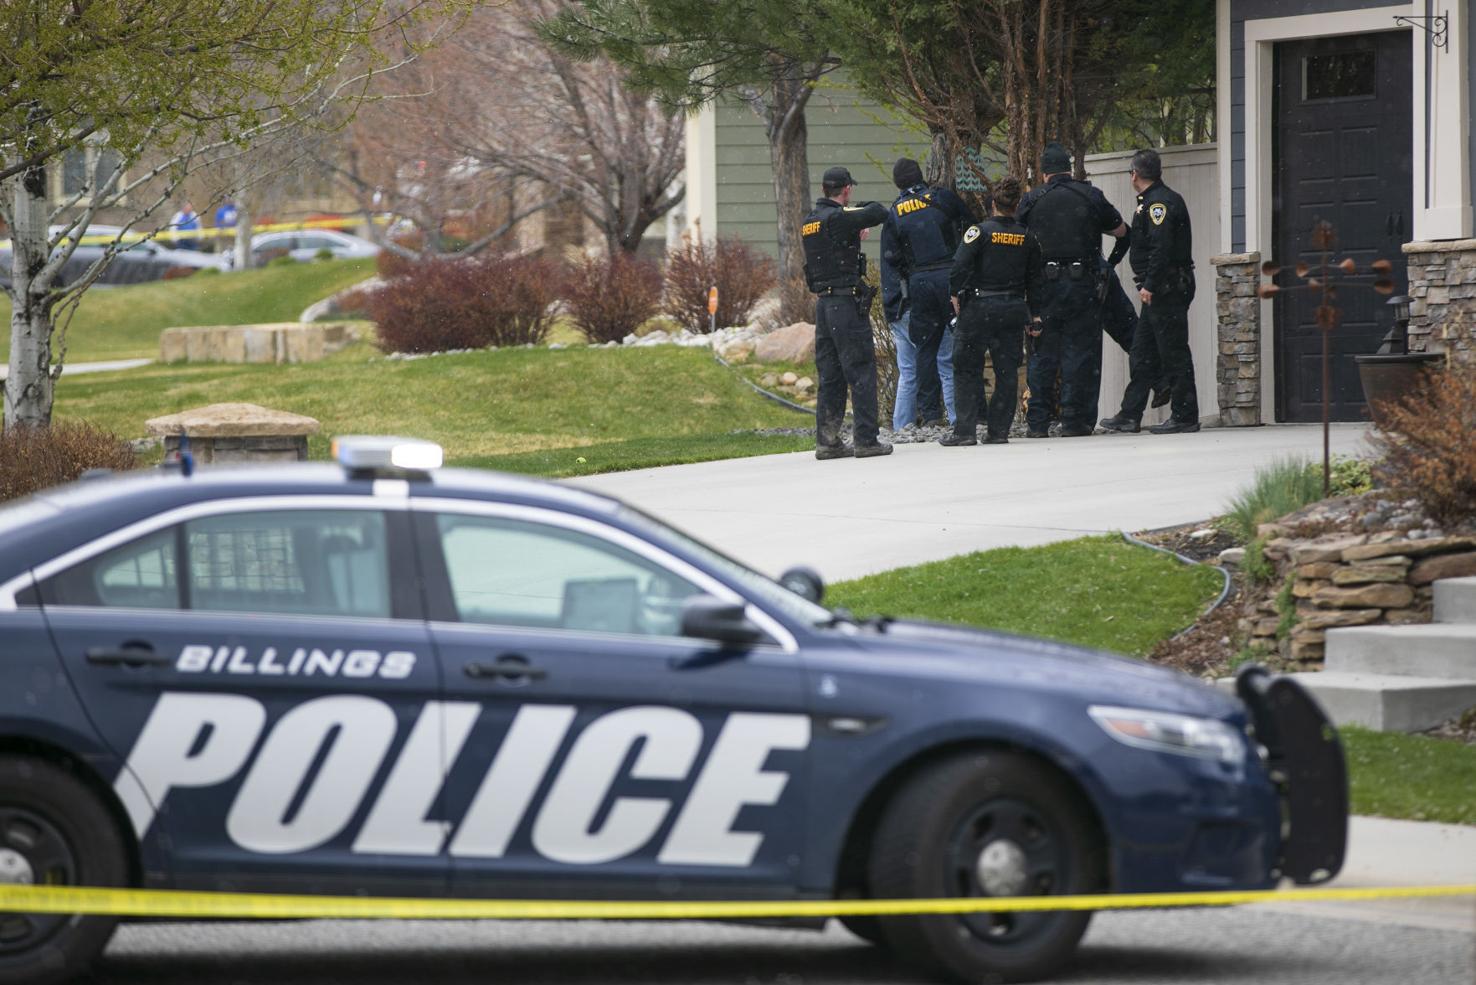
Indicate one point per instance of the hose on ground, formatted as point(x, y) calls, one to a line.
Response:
point(1224, 575)
point(760, 390)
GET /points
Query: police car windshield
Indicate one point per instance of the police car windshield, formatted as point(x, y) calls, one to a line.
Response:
point(756, 587)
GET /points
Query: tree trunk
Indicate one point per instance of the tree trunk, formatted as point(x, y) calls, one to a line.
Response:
point(28, 389)
point(790, 156)
point(242, 245)
point(939, 167)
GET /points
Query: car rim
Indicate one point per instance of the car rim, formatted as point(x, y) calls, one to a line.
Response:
point(1005, 848)
point(32, 852)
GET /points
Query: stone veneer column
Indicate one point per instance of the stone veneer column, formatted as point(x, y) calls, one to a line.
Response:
point(1238, 326)
point(1442, 283)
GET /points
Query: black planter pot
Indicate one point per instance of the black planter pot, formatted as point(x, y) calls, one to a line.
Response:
point(1391, 377)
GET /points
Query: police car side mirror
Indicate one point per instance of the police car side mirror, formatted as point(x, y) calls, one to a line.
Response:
point(804, 582)
point(708, 618)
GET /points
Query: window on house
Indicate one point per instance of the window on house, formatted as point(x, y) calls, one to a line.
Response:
point(1340, 75)
point(74, 171)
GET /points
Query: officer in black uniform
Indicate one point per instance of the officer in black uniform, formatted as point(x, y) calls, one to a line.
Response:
point(1163, 268)
point(919, 238)
point(1069, 218)
point(845, 353)
point(996, 282)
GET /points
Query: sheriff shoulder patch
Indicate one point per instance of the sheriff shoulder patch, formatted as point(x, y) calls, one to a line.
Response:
point(1158, 212)
point(972, 234)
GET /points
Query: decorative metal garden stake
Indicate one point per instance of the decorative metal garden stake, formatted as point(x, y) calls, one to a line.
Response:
point(1324, 239)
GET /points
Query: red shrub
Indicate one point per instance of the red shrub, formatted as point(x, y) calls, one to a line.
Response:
point(35, 458)
point(1428, 444)
point(610, 298)
point(389, 264)
point(466, 304)
point(742, 276)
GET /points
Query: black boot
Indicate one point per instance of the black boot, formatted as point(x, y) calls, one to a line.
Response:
point(1121, 423)
point(953, 440)
point(827, 452)
point(873, 451)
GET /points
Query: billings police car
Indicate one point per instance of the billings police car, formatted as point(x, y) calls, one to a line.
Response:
point(380, 677)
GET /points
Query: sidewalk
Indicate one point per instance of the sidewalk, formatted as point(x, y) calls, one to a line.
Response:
point(925, 502)
point(71, 369)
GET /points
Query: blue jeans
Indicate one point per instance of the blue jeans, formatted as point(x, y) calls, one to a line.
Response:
point(905, 411)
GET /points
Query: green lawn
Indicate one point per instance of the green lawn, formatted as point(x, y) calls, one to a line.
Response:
point(1411, 776)
point(125, 322)
point(530, 410)
point(1096, 591)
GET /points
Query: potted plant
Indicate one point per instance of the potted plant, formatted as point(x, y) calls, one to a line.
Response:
point(1394, 371)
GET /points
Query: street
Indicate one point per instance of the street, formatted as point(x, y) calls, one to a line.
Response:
point(1205, 947)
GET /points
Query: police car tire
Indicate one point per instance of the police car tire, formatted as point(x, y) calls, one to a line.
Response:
point(64, 801)
point(909, 849)
point(869, 929)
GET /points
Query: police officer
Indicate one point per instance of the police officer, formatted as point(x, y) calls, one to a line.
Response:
point(1069, 218)
point(845, 353)
point(996, 282)
point(919, 238)
point(1163, 268)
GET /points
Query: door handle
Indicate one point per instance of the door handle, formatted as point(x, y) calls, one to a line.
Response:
point(127, 655)
point(509, 667)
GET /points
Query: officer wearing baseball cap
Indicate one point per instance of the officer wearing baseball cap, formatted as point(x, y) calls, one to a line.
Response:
point(1069, 217)
point(845, 353)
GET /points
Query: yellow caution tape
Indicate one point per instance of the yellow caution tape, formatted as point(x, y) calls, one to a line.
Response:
point(238, 906)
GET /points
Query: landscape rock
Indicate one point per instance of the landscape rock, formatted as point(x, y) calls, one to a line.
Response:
point(233, 420)
point(789, 379)
point(1318, 569)
point(1307, 649)
point(804, 383)
point(1305, 588)
point(1416, 614)
point(737, 352)
point(1363, 597)
point(1330, 618)
point(1203, 534)
point(1232, 556)
point(1334, 549)
point(791, 344)
point(1444, 566)
point(1410, 548)
point(1358, 574)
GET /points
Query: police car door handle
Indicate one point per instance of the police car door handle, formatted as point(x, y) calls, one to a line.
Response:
point(510, 667)
point(127, 655)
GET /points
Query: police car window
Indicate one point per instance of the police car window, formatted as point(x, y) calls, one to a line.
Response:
point(143, 574)
point(306, 562)
point(513, 573)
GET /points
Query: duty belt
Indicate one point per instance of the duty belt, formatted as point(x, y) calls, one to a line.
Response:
point(979, 292)
point(826, 292)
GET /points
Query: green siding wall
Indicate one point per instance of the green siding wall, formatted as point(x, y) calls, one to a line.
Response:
point(844, 129)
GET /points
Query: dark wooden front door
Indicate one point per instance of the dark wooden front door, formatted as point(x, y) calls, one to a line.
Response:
point(1341, 153)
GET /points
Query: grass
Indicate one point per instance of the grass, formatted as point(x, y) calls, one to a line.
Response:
point(125, 322)
point(1096, 591)
point(1415, 777)
point(1282, 487)
point(530, 410)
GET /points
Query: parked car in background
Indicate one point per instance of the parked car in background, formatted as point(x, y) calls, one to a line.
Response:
point(308, 244)
point(136, 262)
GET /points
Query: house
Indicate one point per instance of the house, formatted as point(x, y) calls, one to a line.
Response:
point(1358, 114)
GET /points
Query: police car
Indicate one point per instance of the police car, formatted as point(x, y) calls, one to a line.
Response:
point(382, 677)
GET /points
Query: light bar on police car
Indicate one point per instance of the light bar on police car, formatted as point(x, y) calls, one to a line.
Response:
point(366, 453)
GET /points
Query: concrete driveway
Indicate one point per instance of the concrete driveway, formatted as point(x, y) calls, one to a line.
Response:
point(925, 502)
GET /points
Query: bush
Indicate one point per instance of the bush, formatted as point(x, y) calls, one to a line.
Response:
point(283, 260)
point(466, 304)
point(323, 254)
point(389, 264)
point(35, 458)
point(1282, 487)
point(610, 298)
point(1429, 451)
point(742, 276)
point(1350, 476)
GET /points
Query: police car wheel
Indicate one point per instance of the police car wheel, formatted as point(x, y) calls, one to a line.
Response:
point(869, 929)
point(986, 824)
point(53, 831)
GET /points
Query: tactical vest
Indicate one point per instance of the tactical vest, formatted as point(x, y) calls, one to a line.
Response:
point(927, 233)
point(1064, 220)
point(830, 262)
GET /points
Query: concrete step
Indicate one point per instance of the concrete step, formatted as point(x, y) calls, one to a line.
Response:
point(1387, 702)
point(1443, 650)
point(1455, 600)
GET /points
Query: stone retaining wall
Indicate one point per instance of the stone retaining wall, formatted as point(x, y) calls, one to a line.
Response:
point(278, 342)
point(1357, 580)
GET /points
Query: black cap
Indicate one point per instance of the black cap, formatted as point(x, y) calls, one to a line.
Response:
point(906, 173)
point(837, 177)
point(1055, 159)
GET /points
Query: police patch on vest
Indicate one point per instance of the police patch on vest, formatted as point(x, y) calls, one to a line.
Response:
point(972, 234)
point(1158, 212)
